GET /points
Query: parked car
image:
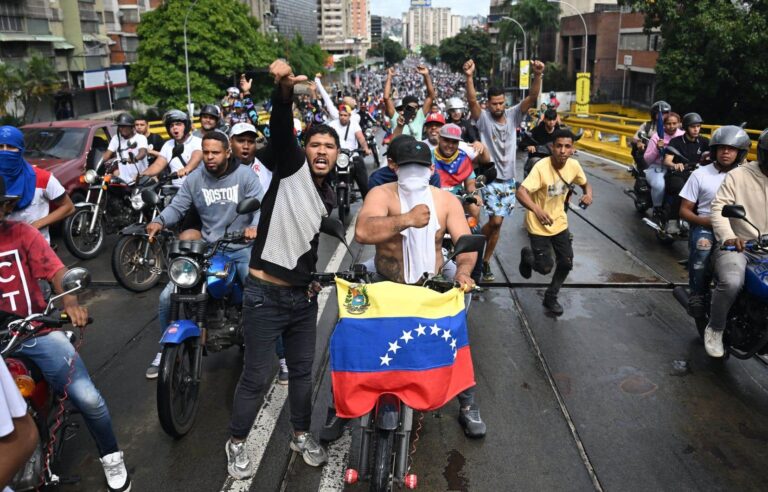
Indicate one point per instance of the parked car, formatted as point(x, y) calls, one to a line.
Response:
point(67, 148)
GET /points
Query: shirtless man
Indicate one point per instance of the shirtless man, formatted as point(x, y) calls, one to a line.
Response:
point(417, 235)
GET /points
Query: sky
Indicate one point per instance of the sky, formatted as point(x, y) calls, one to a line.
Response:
point(395, 8)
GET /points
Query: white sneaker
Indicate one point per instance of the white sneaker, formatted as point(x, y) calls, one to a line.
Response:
point(114, 469)
point(713, 342)
point(238, 464)
point(154, 368)
point(672, 227)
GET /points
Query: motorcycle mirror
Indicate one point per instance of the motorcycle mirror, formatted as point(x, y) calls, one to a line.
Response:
point(76, 279)
point(333, 228)
point(178, 149)
point(149, 197)
point(468, 243)
point(734, 212)
point(489, 173)
point(248, 205)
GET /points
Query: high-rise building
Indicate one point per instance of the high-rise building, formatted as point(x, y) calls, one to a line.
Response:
point(292, 17)
point(376, 29)
point(262, 11)
point(428, 25)
point(344, 26)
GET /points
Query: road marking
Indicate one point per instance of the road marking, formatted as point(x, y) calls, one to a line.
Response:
point(266, 420)
point(332, 479)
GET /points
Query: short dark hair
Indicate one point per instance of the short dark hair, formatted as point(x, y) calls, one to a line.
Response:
point(550, 114)
point(495, 91)
point(563, 133)
point(217, 135)
point(321, 130)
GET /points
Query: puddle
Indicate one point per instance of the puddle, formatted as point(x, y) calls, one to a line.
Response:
point(638, 385)
point(454, 472)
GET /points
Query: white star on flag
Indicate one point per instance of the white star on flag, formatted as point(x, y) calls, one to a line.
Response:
point(406, 336)
point(435, 330)
point(420, 330)
point(453, 343)
point(394, 347)
point(446, 335)
point(386, 359)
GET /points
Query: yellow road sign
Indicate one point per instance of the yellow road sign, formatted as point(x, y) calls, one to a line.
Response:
point(582, 93)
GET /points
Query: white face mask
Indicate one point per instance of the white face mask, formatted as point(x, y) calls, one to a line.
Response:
point(413, 177)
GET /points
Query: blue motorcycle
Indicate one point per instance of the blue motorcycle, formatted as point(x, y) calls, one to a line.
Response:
point(746, 332)
point(206, 309)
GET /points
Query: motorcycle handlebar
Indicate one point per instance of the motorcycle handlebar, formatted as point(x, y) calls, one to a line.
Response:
point(749, 245)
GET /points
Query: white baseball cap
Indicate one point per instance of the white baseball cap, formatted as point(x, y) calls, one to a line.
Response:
point(240, 128)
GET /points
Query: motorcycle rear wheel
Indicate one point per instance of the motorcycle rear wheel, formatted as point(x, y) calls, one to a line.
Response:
point(381, 474)
point(177, 391)
point(129, 267)
point(79, 240)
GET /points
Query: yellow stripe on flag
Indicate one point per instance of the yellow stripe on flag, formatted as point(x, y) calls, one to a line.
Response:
point(393, 300)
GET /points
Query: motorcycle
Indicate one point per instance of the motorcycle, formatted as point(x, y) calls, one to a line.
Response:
point(382, 456)
point(206, 306)
point(51, 414)
point(343, 181)
point(85, 230)
point(137, 262)
point(746, 331)
point(640, 193)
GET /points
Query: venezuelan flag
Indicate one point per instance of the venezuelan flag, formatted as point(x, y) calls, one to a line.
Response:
point(401, 339)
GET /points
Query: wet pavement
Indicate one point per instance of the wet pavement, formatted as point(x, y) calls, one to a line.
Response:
point(616, 394)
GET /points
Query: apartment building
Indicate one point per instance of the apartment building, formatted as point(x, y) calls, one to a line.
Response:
point(428, 25)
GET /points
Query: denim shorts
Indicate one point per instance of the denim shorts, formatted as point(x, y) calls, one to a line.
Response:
point(499, 197)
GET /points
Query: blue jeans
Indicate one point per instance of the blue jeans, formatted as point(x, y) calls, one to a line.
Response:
point(241, 257)
point(701, 243)
point(53, 354)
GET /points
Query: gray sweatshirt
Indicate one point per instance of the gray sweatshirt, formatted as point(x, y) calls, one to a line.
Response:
point(215, 200)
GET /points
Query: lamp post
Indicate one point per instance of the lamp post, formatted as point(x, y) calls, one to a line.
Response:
point(525, 40)
point(186, 60)
point(586, 33)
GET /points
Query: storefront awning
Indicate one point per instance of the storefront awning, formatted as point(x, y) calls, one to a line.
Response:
point(6, 37)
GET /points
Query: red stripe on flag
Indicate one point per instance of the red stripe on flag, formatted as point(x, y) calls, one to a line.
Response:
point(355, 393)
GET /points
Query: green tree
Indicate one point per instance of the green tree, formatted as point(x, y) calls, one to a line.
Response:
point(392, 51)
point(27, 84)
point(469, 43)
point(305, 59)
point(710, 59)
point(349, 62)
point(430, 52)
point(535, 16)
point(222, 39)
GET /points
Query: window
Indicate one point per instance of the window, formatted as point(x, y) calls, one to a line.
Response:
point(11, 19)
point(89, 27)
point(634, 41)
point(130, 44)
point(130, 15)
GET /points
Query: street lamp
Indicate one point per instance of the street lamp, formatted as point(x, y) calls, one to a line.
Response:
point(186, 60)
point(525, 36)
point(586, 34)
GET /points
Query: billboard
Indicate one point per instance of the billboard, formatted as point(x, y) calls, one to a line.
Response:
point(421, 3)
point(97, 79)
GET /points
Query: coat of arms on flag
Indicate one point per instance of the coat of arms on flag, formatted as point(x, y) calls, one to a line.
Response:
point(401, 339)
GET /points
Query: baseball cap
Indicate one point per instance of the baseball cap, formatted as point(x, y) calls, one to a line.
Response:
point(414, 152)
point(451, 131)
point(395, 143)
point(241, 128)
point(435, 118)
point(3, 196)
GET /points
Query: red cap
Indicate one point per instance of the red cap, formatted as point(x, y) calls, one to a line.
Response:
point(435, 118)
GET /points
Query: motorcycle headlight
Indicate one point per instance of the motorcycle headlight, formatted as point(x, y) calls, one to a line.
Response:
point(184, 272)
point(368, 133)
point(136, 202)
point(90, 176)
point(342, 161)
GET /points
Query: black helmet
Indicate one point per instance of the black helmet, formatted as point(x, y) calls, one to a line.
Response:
point(660, 107)
point(733, 136)
point(691, 119)
point(762, 148)
point(175, 115)
point(211, 110)
point(125, 119)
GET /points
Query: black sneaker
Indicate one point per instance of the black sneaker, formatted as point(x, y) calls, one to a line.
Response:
point(471, 422)
point(488, 275)
point(334, 426)
point(526, 262)
point(550, 302)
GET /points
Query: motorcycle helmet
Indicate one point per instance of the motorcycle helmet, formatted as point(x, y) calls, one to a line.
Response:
point(454, 103)
point(238, 104)
point(733, 136)
point(762, 148)
point(691, 119)
point(660, 107)
point(175, 115)
point(210, 110)
point(233, 92)
point(125, 119)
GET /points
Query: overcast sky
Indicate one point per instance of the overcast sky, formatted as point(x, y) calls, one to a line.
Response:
point(395, 8)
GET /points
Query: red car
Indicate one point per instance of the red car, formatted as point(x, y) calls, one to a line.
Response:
point(67, 148)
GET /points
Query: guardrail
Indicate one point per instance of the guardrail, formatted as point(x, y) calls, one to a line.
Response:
point(158, 128)
point(611, 135)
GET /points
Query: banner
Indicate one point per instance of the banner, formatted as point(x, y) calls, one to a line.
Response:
point(582, 93)
point(525, 71)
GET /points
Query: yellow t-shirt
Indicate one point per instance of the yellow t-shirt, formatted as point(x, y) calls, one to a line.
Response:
point(548, 191)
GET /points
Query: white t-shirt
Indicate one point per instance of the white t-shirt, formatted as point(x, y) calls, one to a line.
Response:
point(350, 142)
point(191, 144)
point(47, 189)
point(12, 405)
point(702, 187)
point(468, 149)
point(128, 147)
point(264, 174)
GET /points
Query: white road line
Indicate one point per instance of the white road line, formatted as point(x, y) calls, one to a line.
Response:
point(266, 420)
point(332, 479)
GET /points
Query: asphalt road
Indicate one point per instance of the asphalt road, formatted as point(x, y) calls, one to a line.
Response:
point(616, 394)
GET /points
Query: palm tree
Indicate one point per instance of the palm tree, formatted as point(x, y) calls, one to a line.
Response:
point(535, 16)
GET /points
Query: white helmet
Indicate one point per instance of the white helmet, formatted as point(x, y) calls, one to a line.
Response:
point(233, 91)
point(454, 103)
